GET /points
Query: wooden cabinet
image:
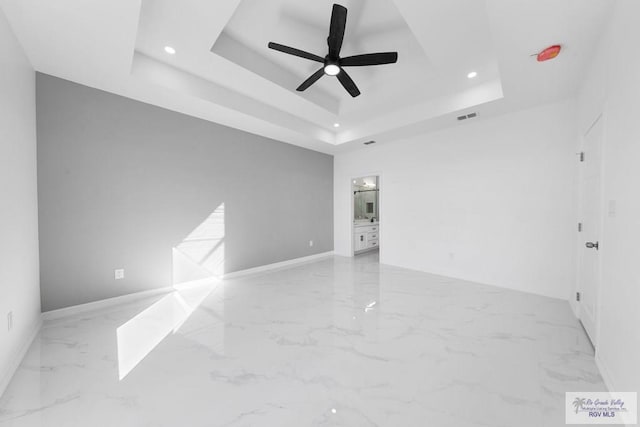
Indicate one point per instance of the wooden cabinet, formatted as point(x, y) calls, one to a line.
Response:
point(366, 237)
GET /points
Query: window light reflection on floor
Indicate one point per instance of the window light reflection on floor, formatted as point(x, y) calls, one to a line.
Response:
point(198, 264)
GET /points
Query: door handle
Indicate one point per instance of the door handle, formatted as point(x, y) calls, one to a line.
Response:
point(592, 245)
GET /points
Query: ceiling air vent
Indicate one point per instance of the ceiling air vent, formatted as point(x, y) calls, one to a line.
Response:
point(467, 116)
point(369, 142)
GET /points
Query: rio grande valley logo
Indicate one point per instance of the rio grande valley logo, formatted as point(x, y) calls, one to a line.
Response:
point(601, 408)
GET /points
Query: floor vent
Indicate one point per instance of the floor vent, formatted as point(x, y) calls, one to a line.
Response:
point(369, 142)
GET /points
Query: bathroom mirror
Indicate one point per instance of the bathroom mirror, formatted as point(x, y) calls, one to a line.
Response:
point(365, 198)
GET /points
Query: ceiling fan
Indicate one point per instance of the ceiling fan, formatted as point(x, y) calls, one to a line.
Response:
point(333, 63)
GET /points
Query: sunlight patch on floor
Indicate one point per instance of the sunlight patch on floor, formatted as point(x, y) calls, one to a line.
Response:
point(197, 263)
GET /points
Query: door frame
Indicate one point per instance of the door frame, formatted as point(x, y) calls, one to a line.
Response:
point(581, 240)
point(351, 209)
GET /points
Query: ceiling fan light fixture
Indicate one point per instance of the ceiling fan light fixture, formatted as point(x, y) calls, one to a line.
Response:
point(331, 70)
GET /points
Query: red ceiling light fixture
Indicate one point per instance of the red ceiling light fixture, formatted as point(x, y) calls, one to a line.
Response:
point(549, 53)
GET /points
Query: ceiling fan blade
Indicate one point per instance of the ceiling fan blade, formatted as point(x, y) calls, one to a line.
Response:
point(369, 59)
point(295, 52)
point(348, 83)
point(336, 31)
point(311, 80)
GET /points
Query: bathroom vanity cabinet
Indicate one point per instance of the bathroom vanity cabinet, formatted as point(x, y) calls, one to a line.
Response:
point(366, 236)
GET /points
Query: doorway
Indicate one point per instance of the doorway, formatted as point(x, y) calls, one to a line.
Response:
point(365, 218)
point(590, 229)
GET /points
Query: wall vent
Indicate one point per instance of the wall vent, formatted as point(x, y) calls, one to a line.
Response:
point(467, 116)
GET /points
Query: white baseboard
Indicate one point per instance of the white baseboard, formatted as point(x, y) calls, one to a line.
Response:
point(277, 265)
point(124, 299)
point(383, 261)
point(605, 373)
point(105, 303)
point(16, 358)
point(608, 380)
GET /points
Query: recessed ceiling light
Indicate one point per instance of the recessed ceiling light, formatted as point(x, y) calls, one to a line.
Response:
point(472, 75)
point(336, 125)
point(170, 50)
point(332, 69)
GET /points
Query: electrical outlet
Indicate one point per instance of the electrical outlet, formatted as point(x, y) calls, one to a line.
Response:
point(10, 321)
point(310, 243)
point(119, 274)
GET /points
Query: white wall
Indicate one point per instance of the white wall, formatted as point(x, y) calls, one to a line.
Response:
point(491, 201)
point(19, 282)
point(612, 87)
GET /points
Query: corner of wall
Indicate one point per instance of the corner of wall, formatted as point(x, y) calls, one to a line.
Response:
point(19, 277)
point(7, 373)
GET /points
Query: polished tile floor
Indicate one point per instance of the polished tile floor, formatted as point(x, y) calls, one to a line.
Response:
point(338, 342)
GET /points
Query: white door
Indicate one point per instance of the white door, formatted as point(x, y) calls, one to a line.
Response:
point(591, 217)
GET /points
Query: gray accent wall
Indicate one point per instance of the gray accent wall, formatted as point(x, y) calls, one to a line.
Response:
point(122, 184)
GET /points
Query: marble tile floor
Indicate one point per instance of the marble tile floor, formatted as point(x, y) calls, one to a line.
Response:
point(337, 342)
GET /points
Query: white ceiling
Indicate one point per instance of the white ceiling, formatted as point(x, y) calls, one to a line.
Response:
point(373, 26)
point(224, 72)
